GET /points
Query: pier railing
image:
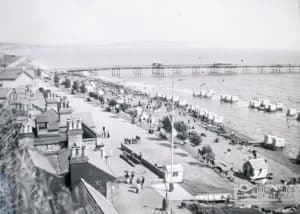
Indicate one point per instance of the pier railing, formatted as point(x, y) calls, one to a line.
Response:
point(180, 69)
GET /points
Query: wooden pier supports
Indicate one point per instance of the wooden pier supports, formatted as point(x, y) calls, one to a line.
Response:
point(177, 71)
point(158, 71)
point(115, 72)
point(137, 72)
point(276, 69)
point(196, 71)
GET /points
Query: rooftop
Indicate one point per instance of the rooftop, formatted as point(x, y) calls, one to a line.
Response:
point(12, 74)
point(104, 204)
point(49, 116)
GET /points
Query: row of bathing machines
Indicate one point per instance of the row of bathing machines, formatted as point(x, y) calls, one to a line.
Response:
point(205, 115)
point(265, 105)
point(209, 93)
point(202, 114)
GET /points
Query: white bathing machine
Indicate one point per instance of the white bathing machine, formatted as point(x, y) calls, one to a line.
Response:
point(279, 106)
point(255, 103)
point(273, 142)
point(271, 107)
point(291, 112)
point(229, 98)
point(176, 176)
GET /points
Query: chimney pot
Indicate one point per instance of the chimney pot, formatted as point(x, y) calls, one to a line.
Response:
point(77, 151)
point(83, 151)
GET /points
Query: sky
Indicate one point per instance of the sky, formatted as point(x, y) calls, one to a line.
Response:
point(257, 24)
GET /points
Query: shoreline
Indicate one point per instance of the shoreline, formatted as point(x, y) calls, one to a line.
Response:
point(276, 160)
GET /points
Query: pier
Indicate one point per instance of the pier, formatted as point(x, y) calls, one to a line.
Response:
point(161, 70)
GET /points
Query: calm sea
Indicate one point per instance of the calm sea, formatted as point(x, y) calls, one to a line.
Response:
point(283, 88)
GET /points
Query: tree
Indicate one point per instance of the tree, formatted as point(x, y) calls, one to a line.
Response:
point(195, 138)
point(182, 136)
point(67, 83)
point(56, 79)
point(83, 89)
point(166, 124)
point(112, 103)
point(207, 150)
point(180, 126)
point(75, 86)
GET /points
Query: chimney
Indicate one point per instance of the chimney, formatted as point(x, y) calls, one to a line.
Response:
point(26, 136)
point(74, 132)
point(64, 112)
point(78, 162)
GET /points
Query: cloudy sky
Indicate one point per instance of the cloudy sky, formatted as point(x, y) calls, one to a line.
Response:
point(264, 24)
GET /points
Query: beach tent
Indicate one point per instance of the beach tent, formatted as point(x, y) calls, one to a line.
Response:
point(255, 168)
point(100, 92)
point(176, 176)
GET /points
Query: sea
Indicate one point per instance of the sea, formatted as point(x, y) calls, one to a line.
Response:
point(283, 88)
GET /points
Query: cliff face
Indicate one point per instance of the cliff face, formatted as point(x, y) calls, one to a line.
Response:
point(24, 188)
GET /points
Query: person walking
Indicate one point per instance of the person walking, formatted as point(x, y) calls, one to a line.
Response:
point(142, 182)
point(127, 177)
point(131, 177)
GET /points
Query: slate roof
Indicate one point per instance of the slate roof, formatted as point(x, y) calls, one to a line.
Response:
point(104, 204)
point(49, 116)
point(12, 74)
point(258, 163)
point(60, 138)
point(41, 161)
point(86, 117)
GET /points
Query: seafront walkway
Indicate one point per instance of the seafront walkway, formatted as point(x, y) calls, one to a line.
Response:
point(156, 150)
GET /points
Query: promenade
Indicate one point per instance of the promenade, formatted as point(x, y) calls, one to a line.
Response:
point(155, 149)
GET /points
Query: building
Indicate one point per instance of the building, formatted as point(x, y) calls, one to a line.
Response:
point(12, 78)
point(67, 145)
point(10, 61)
point(177, 175)
point(255, 169)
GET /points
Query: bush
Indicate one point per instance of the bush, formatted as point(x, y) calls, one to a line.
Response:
point(92, 94)
point(67, 83)
point(83, 89)
point(124, 107)
point(195, 138)
point(75, 85)
point(182, 136)
point(112, 102)
point(207, 150)
point(56, 79)
point(162, 136)
point(180, 126)
point(88, 99)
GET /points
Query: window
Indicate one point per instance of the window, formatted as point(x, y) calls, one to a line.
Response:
point(175, 174)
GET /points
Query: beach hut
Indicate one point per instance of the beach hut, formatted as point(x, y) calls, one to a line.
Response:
point(265, 103)
point(182, 102)
point(209, 93)
point(218, 119)
point(273, 142)
point(176, 176)
point(291, 112)
point(234, 99)
point(279, 106)
point(255, 103)
point(255, 168)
